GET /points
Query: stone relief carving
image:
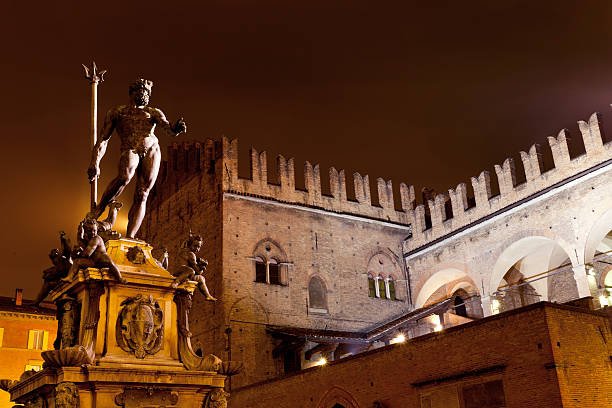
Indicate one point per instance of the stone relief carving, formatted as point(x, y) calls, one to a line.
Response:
point(136, 255)
point(68, 353)
point(140, 326)
point(150, 397)
point(36, 402)
point(68, 314)
point(217, 399)
point(67, 395)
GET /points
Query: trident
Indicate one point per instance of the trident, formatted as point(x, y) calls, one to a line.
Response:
point(95, 77)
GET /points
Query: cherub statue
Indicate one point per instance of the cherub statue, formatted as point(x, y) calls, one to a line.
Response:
point(191, 266)
point(62, 262)
point(91, 251)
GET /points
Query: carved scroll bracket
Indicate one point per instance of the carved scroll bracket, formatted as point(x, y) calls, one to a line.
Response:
point(191, 360)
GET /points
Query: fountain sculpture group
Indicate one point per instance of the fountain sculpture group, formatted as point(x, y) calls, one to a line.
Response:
point(123, 319)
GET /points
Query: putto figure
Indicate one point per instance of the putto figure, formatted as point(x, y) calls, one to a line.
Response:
point(140, 152)
point(62, 262)
point(191, 267)
point(91, 251)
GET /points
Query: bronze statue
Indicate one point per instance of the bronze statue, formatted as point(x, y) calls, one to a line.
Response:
point(140, 152)
point(191, 266)
point(62, 262)
point(105, 228)
point(91, 251)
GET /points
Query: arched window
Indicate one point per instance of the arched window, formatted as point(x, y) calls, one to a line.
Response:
point(274, 272)
point(390, 288)
point(317, 294)
point(260, 270)
point(271, 263)
point(382, 271)
point(371, 285)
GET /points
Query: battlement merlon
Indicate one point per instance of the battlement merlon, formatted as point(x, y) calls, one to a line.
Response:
point(510, 193)
point(259, 186)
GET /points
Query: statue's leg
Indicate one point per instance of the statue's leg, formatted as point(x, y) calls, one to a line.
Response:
point(203, 288)
point(182, 274)
point(147, 174)
point(128, 163)
point(113, 209)
point(108, 263)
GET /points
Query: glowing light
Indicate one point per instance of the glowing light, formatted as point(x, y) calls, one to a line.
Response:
point(321, 361)
point(495, 306)
point(603, 301)
point(400, 338)
point(435, 319)
point(591, 271)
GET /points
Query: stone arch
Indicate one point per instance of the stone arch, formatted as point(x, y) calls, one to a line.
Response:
point(386, 252)
point(597, 233)
point(246, 338)
point(605, 280)
point(529, 256)
point(439, 279)
point(248, 309)
point(337, 395)
point(276, 249)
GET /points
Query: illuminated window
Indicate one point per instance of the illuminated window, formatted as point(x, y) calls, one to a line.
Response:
point(37, 339)
point(1, 335)
point(260, 270)
point(371, 285)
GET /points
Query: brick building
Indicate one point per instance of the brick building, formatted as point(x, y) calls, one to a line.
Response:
point(542, 355)
point(25, 331)
point(303, 275)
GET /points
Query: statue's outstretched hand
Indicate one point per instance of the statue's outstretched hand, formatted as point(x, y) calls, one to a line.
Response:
point(93, 172)
point(180, 126)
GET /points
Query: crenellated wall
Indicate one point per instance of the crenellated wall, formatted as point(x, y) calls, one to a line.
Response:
point(510, 193)
point(259, 186)
point(185, 160)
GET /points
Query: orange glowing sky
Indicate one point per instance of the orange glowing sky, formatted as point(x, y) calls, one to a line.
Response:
point(425, 94)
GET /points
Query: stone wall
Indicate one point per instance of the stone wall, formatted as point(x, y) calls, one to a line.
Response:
point(330, 247)
point(311, 235)
point(565, 211)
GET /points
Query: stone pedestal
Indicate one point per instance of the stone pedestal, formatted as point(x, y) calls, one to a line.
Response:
point(122, 344)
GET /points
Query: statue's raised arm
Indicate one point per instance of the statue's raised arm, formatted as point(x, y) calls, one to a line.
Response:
point(173, 130)
point(135, 124)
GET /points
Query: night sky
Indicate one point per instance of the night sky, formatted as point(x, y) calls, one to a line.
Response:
point(427, 95)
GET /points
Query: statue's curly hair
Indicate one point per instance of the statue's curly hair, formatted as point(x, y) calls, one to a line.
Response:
point(191, 239)
point(140, 84)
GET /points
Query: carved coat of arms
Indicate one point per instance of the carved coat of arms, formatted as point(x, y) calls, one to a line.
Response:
point(140, 326)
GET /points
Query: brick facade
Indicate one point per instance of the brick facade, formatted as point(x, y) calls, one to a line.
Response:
point(543, 355)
